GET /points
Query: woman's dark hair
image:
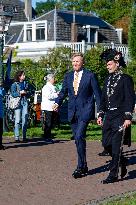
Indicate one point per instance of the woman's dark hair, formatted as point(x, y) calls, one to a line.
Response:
point(17, 75)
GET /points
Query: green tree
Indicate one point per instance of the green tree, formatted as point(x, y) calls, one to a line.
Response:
point(131, 70)
point(57, 61)
point(43, 7)
point(132, 34)
point(111, 10)
point(80, 5)
point(33, 72)
point(94, 63)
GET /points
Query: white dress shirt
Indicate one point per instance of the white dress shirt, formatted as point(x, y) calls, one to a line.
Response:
point(49, 95)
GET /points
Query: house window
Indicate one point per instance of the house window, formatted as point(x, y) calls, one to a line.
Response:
point(35, 31)
point(92, 35)
point(40, 31)
point(29, 32)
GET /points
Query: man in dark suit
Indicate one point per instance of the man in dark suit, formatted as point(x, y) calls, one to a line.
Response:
point(115, 114)
point(80, 85)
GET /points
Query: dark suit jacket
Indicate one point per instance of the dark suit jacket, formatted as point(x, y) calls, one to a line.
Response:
point(83, 102)
point(123, 98)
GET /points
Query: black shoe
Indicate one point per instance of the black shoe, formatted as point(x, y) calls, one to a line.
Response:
point(2, 147)
point(79, 173)
point(17, 141)
point(49, 141)
point(72, 138)
point(109, 180)
point(85, 170)
point(25, 140)
point(104, 153)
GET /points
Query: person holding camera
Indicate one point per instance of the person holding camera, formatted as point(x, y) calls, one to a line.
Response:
point(20, 89)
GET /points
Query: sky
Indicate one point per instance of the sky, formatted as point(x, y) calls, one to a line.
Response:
point(34, 2)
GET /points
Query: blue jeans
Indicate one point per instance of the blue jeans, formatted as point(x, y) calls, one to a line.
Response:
point(21, 114)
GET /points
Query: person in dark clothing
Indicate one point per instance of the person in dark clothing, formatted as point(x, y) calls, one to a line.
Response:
point(2, 93)
point(115, 115)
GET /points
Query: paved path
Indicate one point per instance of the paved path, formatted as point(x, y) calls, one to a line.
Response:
point(39, 174)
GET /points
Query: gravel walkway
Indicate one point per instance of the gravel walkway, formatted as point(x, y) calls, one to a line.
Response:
point(36, 173)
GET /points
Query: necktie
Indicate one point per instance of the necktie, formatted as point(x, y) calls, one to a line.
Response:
point(75, 83)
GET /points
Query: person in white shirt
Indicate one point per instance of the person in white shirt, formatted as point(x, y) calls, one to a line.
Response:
point(49, 94)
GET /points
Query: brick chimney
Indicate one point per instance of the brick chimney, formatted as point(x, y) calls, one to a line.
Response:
point(74, 28)
point(28, 9)
point(73, 32)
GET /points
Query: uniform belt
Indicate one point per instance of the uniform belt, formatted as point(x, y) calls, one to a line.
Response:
point(113, 108)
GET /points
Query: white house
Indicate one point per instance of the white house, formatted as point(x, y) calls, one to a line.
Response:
point(33, 37)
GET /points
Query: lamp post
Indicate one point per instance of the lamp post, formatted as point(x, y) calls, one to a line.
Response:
point(5, 19)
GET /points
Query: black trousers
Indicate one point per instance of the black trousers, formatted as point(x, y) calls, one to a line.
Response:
point(50, 119)
point(1, 130)
point(79, 134)
point(112, 141)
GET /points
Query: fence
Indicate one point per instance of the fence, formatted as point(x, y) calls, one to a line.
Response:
point(82, 47)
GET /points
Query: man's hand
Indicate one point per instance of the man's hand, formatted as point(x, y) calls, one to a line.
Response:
point(23, 92)
point(99, 121)
point(127, 123)
point(55, 107)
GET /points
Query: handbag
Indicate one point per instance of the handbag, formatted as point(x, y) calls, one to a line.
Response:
point(14, 101)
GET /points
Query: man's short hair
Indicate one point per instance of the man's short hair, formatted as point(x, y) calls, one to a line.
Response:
point(78, 54)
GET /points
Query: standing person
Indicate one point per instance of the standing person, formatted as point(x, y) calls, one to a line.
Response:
point(20, 88)
point(80, 85)
point(49, 94)
point(116, 107)
point(2, 93)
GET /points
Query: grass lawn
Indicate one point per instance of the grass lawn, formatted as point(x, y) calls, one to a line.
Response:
point(64, 132)
point(127, 199)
